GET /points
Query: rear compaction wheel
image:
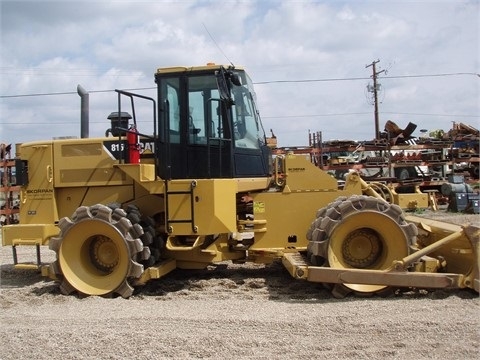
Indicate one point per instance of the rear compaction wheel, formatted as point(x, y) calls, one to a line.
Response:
point(97, 251)
point(360, 232)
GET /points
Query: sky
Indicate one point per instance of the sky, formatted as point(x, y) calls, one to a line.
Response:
point(308, 61)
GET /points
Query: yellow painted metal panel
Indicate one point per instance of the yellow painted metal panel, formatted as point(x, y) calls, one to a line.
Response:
point(30, 234)
point(37, 198)
point(301, 174)
point(85, 162)
point(214, 209)
point(288, 217)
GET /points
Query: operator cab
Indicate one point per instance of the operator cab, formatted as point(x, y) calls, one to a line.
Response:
point(209, 125)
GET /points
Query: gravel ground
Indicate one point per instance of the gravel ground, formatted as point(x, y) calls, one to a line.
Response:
point(233, 311)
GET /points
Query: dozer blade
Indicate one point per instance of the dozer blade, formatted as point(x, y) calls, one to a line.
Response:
point(461, 254)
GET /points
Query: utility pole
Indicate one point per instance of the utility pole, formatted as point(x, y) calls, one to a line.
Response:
point(375, 101)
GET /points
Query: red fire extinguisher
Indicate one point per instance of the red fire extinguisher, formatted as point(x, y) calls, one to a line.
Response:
point(133, 146)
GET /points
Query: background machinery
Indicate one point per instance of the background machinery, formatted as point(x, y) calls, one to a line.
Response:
point(204, 188)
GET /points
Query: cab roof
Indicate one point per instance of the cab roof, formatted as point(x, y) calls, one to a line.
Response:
point(181, 69)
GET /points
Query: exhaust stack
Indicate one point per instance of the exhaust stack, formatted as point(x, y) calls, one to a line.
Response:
point(84, 112)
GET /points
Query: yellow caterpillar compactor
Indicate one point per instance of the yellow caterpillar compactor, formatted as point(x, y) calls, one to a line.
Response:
point(204, 188)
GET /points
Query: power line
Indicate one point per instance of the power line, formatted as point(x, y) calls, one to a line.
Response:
point(423, 114)
point(365, 78)
point(7, 70)
point(69, 93)
point(264, 117)
point(312, 115)
point(366, 113)
point(75, 122)
point(309, 80)
point(258, 83)
point(430, 75)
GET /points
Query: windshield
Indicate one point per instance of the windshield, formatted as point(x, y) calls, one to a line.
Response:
point(247, 128)
point(207, 118)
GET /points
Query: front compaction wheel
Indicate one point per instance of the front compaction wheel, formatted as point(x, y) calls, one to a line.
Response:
point(360, 232)
point(97, 251)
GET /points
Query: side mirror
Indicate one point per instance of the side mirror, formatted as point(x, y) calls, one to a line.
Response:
point(235, 78)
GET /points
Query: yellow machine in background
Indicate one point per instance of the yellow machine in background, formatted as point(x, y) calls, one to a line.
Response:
point(204, 188)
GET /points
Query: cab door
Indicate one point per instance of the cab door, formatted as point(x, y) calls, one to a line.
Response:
point(38, 197)
point(195, 135)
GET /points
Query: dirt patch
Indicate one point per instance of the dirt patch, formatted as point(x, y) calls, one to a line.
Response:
point(233, 311)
